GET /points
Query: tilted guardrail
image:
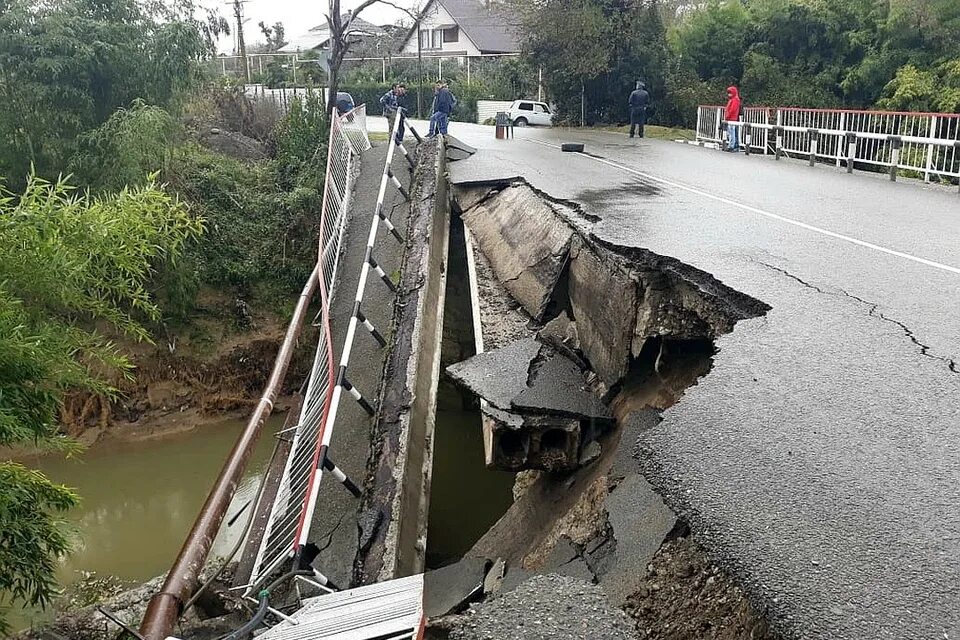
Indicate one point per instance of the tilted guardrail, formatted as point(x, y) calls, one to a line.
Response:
point(927, 144)
point(288, 525)
point(348, 139)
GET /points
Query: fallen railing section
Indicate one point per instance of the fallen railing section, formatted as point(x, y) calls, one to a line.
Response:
point(927, 144)
point(348, 138)
point(182, 580)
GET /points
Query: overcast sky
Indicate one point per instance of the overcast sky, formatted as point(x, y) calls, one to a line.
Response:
point(297, 16)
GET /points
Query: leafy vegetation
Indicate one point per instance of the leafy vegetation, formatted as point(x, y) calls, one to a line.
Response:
point(67, 65)
point(69, 262)
point(901, 54)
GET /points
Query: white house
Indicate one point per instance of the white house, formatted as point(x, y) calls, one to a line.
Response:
point(463, 28)
point(318, 38)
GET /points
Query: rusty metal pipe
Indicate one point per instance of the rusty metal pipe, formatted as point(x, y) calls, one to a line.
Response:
point(165, 606)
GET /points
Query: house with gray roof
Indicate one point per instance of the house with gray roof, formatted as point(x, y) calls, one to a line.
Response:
point(464, 28)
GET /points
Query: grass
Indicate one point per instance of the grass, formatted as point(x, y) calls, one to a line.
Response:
point(377, 136)
point(654, 131)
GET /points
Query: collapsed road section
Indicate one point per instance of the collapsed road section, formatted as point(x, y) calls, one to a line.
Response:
point(590, 342)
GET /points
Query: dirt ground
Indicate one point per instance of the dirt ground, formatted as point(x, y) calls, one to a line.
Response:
point(684, 597)
point(216, 366)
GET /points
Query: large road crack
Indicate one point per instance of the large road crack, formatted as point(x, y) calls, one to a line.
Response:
point(874, 312)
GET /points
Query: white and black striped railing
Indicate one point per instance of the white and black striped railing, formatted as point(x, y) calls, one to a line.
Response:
point(358, 319)
point(287, 534)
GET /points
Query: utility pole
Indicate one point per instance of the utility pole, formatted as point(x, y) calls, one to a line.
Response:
point(238, 14)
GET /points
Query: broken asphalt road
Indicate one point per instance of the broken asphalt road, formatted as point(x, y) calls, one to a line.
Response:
point(819, 461)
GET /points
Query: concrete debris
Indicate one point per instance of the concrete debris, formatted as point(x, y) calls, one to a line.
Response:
point(457, 149)
point(449, 589)
point(526, 242)
point(540, 408)
point(499, 375)
point(548, 606)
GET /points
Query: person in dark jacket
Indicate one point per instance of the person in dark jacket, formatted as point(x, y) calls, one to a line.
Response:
point(443, 107)
point(732, 114)
point(391, 105)
point(639, 101)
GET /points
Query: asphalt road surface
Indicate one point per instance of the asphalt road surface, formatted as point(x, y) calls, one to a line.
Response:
point(819, 461)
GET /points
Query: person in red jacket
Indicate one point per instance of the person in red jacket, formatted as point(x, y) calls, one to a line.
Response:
point(731, 115)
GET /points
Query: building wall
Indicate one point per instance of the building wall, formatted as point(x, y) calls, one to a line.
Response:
point(434, 23)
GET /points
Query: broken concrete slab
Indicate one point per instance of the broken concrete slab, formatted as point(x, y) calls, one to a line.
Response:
point(525, 241)
point(640, 522)
point(498, 376)
point(557, 385)
point(539, 409)
point(450, 588)
point(604, 300)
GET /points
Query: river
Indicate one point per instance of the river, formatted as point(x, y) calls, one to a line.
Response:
point(139, 499)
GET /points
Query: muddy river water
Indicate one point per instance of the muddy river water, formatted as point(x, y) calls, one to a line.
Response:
point(139, 499)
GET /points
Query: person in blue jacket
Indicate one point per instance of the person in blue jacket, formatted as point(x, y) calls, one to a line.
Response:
point(391, 106)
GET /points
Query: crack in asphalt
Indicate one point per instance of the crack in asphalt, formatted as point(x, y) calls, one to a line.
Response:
point(329, 534)
point(873, 312)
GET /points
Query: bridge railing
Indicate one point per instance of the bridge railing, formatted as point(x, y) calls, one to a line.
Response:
point(924, 144)
point(291, 513)
point(348, 139)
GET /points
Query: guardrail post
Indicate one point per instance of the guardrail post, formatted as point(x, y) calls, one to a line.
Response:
point(851, 149)
point(896, 143)
point(956, 150)
point(747, 137)
point(778, 142)
point(719, 121)
point(930, 136)
point(814, 139)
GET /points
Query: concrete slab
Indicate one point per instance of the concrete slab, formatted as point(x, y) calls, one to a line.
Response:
point(557, 386)
point(498, 376)
point(604, 299)
point(525, 243)
point(448, 589)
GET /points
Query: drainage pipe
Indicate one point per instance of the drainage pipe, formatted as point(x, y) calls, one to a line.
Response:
point(165, 606)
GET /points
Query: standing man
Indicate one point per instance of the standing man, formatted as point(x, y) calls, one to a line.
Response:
point(639, 101)
point(391, 108)
point(443, 105)
point(732, 114)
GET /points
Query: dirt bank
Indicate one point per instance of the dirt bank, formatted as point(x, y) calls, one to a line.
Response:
point(211, 367)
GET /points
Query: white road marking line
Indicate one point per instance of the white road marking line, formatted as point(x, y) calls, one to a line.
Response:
point(773, 216)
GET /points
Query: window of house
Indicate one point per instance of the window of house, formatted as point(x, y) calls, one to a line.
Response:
point(437, 40)
point(424, 38)
point(451, 34)
point(526, 106)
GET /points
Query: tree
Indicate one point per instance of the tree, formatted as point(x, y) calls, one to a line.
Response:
point(274, 36)
point(66, 66)
point(68, 263)
point(568, 39)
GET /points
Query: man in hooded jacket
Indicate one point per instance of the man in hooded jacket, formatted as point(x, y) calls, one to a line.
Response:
point(732, 114)
point(638, 103)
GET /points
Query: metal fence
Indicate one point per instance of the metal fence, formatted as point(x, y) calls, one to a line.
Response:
point(283, 96)
point(922, 145)
point(282, 535)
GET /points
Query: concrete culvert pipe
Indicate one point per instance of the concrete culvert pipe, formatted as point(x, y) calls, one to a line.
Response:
point(575, 147)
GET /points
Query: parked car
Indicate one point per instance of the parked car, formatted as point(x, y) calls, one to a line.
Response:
point(530, 112)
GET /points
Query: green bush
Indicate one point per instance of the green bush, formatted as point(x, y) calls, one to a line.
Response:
point(68, 262)
point(132, 144)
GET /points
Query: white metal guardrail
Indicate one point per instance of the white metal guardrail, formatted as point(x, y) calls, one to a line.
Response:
point(348, 139)
point(925, 145)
